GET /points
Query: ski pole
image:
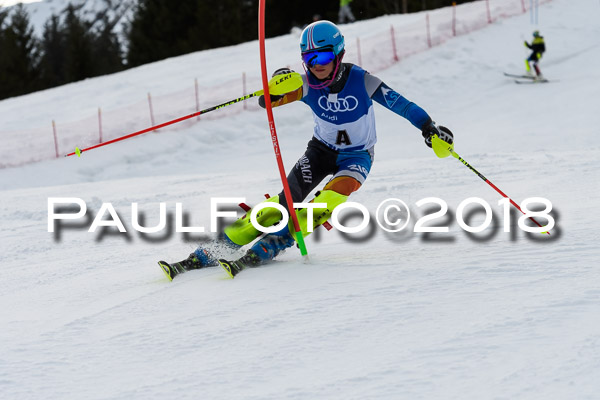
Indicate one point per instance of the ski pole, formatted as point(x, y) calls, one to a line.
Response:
point(278, 85)
point(274, 140)
point(443, 149)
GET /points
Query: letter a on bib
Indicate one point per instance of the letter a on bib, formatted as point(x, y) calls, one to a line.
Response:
point(343, 138)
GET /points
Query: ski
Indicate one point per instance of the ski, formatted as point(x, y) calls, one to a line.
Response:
point(196, 260)
point(169, 270)
point(250, 259)
point(519, 76)
point(520, 82)
point(231, 267)
point(172, 270)
point(202, 258)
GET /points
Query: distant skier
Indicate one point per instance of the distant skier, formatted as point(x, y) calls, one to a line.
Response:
point(538, 47)
point(340, 96)
point(345, 12)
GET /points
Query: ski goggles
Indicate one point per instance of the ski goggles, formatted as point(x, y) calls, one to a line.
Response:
point(321, 57)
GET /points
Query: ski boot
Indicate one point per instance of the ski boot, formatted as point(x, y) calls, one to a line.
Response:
point(198, 259)
point(250, 259)
point(262, 252)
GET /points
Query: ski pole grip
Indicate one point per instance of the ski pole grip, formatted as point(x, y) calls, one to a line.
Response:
point(441, 148)
point(282, 84)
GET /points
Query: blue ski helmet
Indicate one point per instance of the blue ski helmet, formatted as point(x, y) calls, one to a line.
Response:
point(536, 33)
point(321, 35)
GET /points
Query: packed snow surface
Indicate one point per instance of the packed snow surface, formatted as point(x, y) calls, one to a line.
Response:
point(374, 315)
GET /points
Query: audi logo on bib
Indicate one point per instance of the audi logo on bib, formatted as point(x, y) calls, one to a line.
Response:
point(342, 104)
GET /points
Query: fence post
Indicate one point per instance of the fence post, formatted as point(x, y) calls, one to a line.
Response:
point(489, 14)
point(151, 110)
point(396, 59)
point(197, 98)
point(453, 18)
point(533, 9)
point(358, 50)
point(244, 89)
point(100, 124)
point(428, 31)
point(55, 138)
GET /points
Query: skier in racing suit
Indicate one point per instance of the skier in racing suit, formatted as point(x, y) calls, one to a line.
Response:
point(341, 97)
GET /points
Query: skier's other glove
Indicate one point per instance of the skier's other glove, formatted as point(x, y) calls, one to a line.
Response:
point(274, 98)
point(442, 132)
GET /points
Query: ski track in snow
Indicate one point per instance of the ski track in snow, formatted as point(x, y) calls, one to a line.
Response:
point(389, 316)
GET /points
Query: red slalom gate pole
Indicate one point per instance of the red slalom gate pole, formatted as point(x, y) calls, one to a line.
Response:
point(275, 141)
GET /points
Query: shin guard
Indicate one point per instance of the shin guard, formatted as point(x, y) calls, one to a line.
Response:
point(242, 231)
point(320, 215)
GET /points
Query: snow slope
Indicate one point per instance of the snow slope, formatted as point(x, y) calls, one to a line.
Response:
point(501, 315)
